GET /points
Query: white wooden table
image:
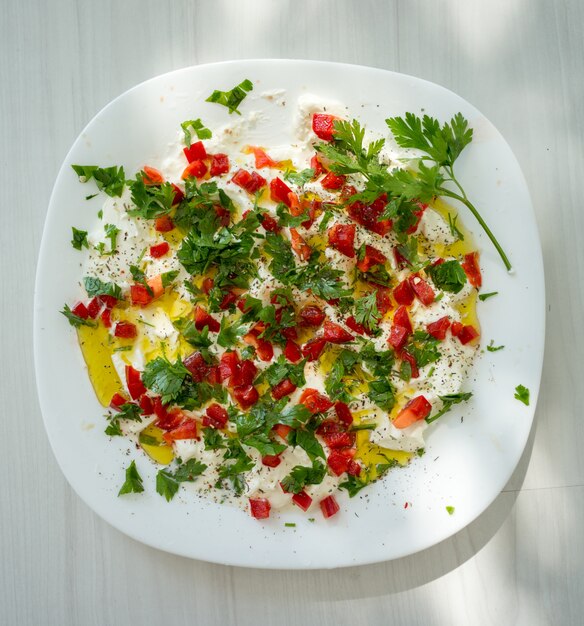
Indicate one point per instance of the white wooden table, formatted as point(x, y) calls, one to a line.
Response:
point(521, 63)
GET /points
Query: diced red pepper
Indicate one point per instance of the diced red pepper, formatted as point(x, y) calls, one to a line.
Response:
point(259, 508)
point(316, 165)
point(219, 164)
point(109, 301)
point(401, 318)
point(403, 293)
point(329, 506)
point(283, 388)
point(302, 500)
point(163, 224)
point(134, 382)
point(369, 215)
point(146, 404)
point(383, 300)
point(94, 307)
point(313, 349)
point(354, 468)
point(187, 429)
point(202, 319)
point(471, 268)
point(414, 227)
point(223, 215)
point(80, 310)
point(106, 317)
point(125, 330)
point(371, 258)
point(197, 366)
point(329, 426)
point(333, 333)
point(117, 401)
point(169, 420)
point(337, 462)
point(422, 289)
point(323, 125)
point(302, 249)
point(339, 440)
point(398, 336)
point(314, 401)
point(207, 285)
point(294, 204)
point(244, 374)
point(269, 223)
point(214, 375)
point(333, 181)
point(262, 159)
point(279, 191)
point(196, 169)
point(282, 430)
point(152, 176)
point(467, 334)
point(311, 315)
point(438, 328)
point(416, 409)
point(271, 460)
point(215, 416)
point(342, 238)
point(228, 365)
point(354, 325)
point(158, 250)
point(159, 408)
point(404, 355)
point(139, 295)
point(246, 396)
point(456, 328)
point(196, 152)
point(289, 333)
point(249, 182)
point(400, 259)
point(178, 194)
point(344, 413)
point(292, 351)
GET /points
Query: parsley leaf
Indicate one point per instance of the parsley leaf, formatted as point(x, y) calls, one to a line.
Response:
point(299, 178)
point(111, 232)
point(454, 230)
point(167, 484)
point(232, 98)
point(198, 127)
point(485, 296)
point(522, 394)
point(213, 439)
point(366, 312)
point(381, 393)
point(264, 445)
point(353, 485)
point(424, 348)
point(300, 476)
point(151, 200)
point(75, 320)
point(448, 276)
point(493, 348)
point(308, 442)
point(79, 239)
point(127, 411)
point(282, 369)
point(133, 482)
point(111, 180)
point(230, 333)
point(96, 287)
point(165, 378)
point(448, 401)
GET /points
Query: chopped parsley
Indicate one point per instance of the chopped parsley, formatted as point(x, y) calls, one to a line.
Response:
point(522, 394)
point(96, 287)
point(493, 348)
point(448, 276)
point(167, 483)
point(110, 180)
point(232, 98)
point(76, 320)
point(79, 239)
point(133, 482)
point(485, 296)
point(198, 128)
